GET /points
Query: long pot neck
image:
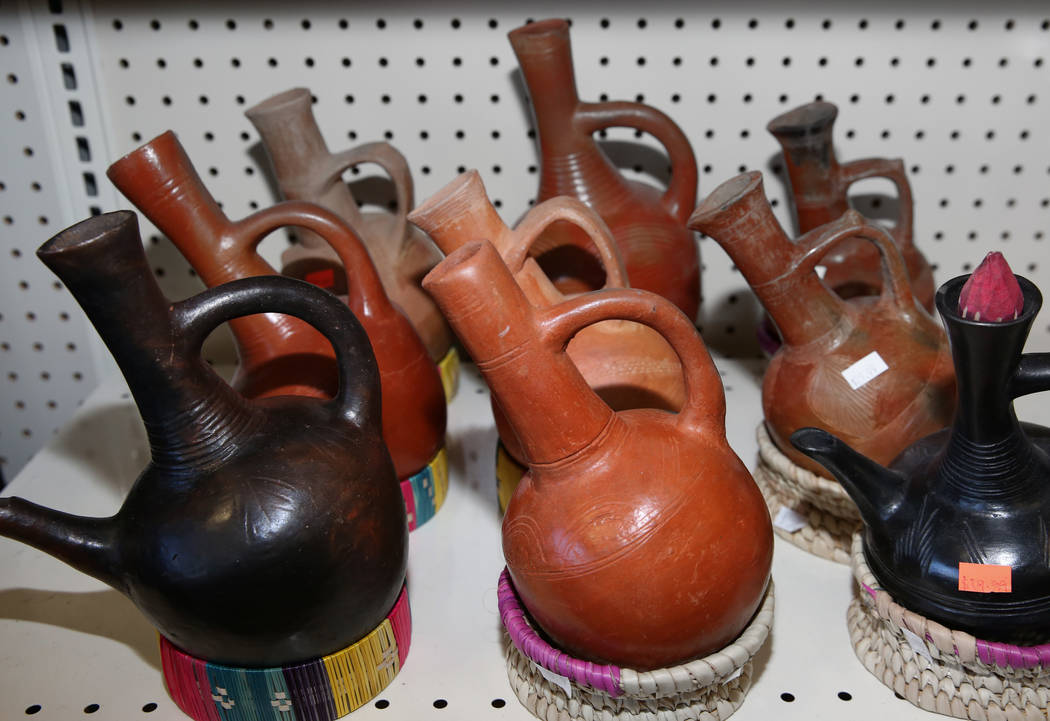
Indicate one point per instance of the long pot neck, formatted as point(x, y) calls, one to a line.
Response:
point(740, 219)
point(102, 263)
point(549, 405)
point(301, 159)
point(805, 136)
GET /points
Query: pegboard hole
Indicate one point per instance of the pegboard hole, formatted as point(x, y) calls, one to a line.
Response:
point(845, 695)
point(787, 697)
point(440, 703)
point(91, 708)
point(498, 703)
point(382, 704)
point(149, 708)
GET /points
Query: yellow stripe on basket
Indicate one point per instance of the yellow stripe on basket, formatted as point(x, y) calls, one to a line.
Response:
point(448, 367)
point(356, 674)
point(439, 470)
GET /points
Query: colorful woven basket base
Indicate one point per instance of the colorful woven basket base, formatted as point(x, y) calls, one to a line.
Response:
point(448, 367)
point(425, 491)
point(549, 702)
point(941, 670)
point(508, 475)
point(318, 690)
point(711, 688)
point(828, 515)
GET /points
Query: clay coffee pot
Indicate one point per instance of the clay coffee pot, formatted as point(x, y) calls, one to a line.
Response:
point(281, 355)
point(627, 364)
point(820, 185)
point(659, 252)
point(956, 528)
point(874, 370)
point(261, 532)
point(607, 533)
point(306, 170)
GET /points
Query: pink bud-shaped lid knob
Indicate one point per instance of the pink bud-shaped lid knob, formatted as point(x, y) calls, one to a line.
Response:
point(992, 293)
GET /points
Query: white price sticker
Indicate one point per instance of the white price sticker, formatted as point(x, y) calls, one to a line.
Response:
point(822, 270)
point(869, 367)
point(917, 645)
point(558, 680)
point(734, 675)
point(790, 520)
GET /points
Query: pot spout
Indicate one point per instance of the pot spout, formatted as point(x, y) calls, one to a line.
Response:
point(876, 490)
point(86, 544)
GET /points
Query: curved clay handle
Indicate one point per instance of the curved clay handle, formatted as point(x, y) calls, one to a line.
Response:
point(680, 196)
point(892, 170)
point(571, 211)
point(390, 160)
point(704, 408)
point(895, 284)
point(358, 397)
point(364, 288)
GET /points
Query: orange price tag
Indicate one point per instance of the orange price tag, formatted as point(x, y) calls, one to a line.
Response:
point(984, 578)
point(322, 278)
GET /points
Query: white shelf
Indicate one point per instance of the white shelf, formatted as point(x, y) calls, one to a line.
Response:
point(67, 641)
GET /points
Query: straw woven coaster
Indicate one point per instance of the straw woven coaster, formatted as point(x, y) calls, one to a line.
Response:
point(706, 689)
point(959, 675)
point(831, 517)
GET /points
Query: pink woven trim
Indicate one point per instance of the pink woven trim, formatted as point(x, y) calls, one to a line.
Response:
point(401, 622)
point(1004, 654)
point(603, 678)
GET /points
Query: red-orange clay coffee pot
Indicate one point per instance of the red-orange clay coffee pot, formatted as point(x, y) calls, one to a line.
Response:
point(306, 170)
point(627, 364)
point(820, 375)
point(637, 537)
point(820, 186)
point(281, 355)
point(659, 252)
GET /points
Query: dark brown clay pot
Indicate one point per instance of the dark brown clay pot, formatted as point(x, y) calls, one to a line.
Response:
point(281, 355)
point(628, 365)
point(659, 252)
point(820, 186)
point(306, 170)
point(825, 335)
point(262, 532)
point(637, 537)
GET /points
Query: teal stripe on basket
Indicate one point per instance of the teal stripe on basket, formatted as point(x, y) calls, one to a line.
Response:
point(250, 694)
point(425, 491)
point(280, 696)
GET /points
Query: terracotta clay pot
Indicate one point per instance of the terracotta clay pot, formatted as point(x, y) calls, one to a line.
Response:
point(828, 341)
point(969, 500)
point(637, 537)
point(281, 355)
point(659, 252)
point(820, 186)
point(627, 364)
point(306, 170)
point(261, 533)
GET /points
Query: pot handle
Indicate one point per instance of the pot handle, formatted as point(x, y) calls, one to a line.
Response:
point(817, 242)
point(364, 288)
point(387, 157)
point(892, 170)
point(704, 409)
point(358, 398)
point(571, 211)
point(1032, 375)
point(680, 197)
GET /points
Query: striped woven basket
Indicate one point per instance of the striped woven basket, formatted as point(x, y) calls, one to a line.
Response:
point(319, 690)
point(957, 675)
point(425, 491)
point(830, 514)
point(706, 689)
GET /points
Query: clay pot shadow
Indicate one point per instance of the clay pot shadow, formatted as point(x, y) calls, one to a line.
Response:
point(107, 614)
point(472, 462)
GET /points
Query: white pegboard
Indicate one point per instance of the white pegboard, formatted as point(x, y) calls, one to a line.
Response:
point(960, 93)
